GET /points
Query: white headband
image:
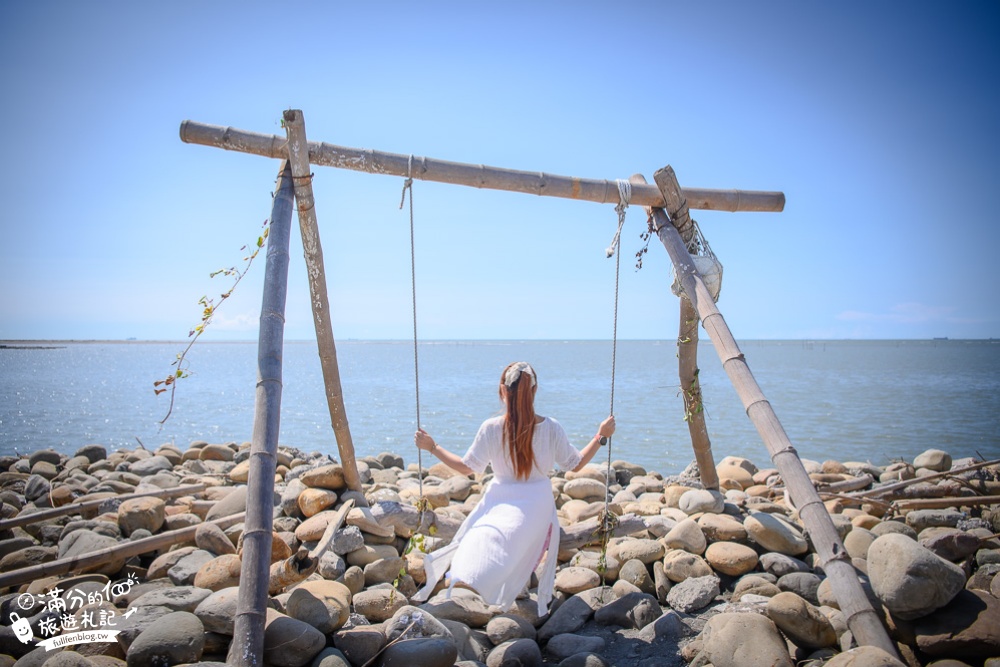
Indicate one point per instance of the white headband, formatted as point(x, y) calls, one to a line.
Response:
point(514, 372)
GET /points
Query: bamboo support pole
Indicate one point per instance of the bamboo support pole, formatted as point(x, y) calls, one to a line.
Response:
point(247, 647)
point(121, 550)
point(473, 175)
point(44, 515)
point(863, 621)
point(297, 151)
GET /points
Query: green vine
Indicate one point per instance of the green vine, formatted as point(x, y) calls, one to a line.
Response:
point(208, 310)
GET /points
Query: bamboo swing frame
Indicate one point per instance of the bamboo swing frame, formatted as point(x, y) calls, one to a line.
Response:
point(666, 194)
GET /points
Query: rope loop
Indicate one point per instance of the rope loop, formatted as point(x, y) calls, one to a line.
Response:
point(408, 185)
point(624, 197)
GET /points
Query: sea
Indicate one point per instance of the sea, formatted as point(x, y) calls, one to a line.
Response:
point(874, 400)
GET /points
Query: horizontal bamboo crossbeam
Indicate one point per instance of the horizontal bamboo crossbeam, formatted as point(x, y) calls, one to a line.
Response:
point(125, 549)
point(42, 515)
point(473, 175)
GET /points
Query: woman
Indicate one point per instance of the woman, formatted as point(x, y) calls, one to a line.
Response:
point(504, 538)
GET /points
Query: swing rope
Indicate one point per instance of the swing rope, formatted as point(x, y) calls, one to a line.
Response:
point(608, 521)
point(408, 185)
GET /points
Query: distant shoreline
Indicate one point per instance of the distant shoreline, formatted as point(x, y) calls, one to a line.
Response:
point(35, 343)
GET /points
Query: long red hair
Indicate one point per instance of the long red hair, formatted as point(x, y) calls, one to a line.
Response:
point(519, 420)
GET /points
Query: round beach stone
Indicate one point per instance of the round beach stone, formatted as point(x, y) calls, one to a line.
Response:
point(218, 610)
point(176, 638)
point(781, 564)
point(507, 627)
point(737, 473)
point(211, 537)
point(774, 534)
point(521, 652)
point(803, 623)
point(370, 553)
point(178, 598)
point(233, 503)
point(933, 459)
point(572, 580)
point(135, 513)
point(314, 501)
point(731, 558)
point(360, 644)
point(920, 519)
point(754, 585)
point(949, 543)
point(423, 651)
point(701, 500)
point(563, 646)
point(910, 580)
point(633, 611)
point(725, 641)
point(687, 536)
point(864, 656)
point(216, 452)
point(82, 542)
point(679, 565)
point(585, 489)
point(886, 527)
point(804, 584)
point(325, 477)
point(325, 605)
point(644, 550)
point(858, 541)
point(635, 572)
point(289, 642)
point(218, 573)
point(383, 570)
point(379, 604)
point(722, 528)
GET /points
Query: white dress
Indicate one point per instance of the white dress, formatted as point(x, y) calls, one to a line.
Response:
point(501, 541)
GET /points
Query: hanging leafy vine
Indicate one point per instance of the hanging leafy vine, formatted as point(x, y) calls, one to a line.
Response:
point(209, 307)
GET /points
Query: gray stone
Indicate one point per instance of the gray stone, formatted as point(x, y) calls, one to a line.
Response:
point(233, 503)
point(949, 543)
point(359, 643)
point(346, 540)
point(212, 538)
point(803, 584)
point(886, 527)
point(507, 627)
point(463, 606)
point(572, 614)
point(702, 500)
point(635, 572)
point(775, 534)
point(184, 571)
point(632, 611)
point(176, 638)
point(140, 620)
point(909, 579)
point(218, 610)
point(864, 656)
point(967, 628)
point(687, 536)
point(584, 660)
point(423, 651)
point(781, 564)
point(744, 640)
point(515, 653)
point(801, 622)
point(933, 459)
point(668, 627)
point(151, 466)
point(693, 594)
point(82, 542)
point(563, 646)
point(178, 598)
point(289, 642)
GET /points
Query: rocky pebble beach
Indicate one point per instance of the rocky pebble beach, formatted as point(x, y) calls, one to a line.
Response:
point(726, 578)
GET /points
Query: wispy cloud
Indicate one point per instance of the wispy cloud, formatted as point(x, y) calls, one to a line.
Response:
point(903, 313)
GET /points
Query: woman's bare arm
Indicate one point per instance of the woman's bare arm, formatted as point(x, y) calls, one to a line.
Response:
point(424, 441)
point(606, 429)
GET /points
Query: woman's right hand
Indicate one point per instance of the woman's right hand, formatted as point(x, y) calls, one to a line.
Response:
point(607, 427)
point(423, 440)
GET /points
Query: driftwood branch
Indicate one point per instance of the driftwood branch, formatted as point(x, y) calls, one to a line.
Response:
point(942, 503)
point(862, 619)
point(297, 152)
point(121, 550)
point(82, 506)
point(474, 175)
point(889, 488)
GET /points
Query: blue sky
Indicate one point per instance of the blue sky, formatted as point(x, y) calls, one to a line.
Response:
point(877, 120)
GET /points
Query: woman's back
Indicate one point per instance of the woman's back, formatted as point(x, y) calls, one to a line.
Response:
point(550, 446)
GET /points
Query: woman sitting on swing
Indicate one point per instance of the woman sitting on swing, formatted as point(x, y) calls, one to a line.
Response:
point(505, 536)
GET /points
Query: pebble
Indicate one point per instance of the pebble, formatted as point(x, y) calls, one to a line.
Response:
point(699, 553)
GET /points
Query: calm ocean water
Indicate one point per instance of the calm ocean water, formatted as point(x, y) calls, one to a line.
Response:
point(847, 400)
